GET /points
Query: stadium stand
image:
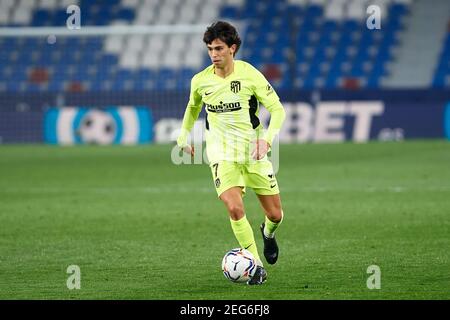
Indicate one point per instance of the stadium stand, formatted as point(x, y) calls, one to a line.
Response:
point(442, 71)
point(296, 43)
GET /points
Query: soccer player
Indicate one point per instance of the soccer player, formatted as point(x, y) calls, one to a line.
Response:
point(236, 142)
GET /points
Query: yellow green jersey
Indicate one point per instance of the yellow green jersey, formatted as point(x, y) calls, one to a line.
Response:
point(232, 107)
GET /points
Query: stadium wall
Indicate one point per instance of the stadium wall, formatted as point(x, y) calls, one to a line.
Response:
point(312, 116)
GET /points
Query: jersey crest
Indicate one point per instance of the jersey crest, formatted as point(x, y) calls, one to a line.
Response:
point(235, 86)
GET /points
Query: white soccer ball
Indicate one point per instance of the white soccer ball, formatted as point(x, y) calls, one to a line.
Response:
point(238, 265)
point(97, 127)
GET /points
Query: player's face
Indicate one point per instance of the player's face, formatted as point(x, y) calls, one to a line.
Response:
point(220, 53)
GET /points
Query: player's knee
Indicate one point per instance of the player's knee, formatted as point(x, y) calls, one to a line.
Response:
point(236, 211)
point(275, 215)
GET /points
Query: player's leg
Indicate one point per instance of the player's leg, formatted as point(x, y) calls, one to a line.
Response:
point(271, 205)
point(232, 198)
point(230, 187)
point(260, 177)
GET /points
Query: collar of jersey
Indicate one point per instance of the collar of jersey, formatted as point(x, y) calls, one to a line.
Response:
point(227, 77)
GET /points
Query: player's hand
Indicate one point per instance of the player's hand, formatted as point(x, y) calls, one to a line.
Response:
point(189, 149)
point(261, 149)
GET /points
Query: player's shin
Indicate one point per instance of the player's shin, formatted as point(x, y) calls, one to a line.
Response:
point(244, 235)
point(271, 226)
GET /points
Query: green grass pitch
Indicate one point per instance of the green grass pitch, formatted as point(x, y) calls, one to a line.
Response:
point(140, 227)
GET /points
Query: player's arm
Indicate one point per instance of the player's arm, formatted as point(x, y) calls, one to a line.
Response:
point(193, 109)
point(269, 98)
point(277, 116)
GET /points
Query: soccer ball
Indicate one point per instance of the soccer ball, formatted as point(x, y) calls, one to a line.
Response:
point(97, 127)
point(238, 265)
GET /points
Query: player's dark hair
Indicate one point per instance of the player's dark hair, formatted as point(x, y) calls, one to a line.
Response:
point(223, 31)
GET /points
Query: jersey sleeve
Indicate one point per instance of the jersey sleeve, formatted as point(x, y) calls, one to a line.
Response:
point(193, 109)
point(263, 90)
point(268, 97)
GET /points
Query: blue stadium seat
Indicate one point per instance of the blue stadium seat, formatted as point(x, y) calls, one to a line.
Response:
point(274, 29)
point(14, 86)
point(41, 18)
point(314, 10)
point(56, 85)
point(230, 12)
point(60, 18)
point(109, 59)
point(332, 80)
